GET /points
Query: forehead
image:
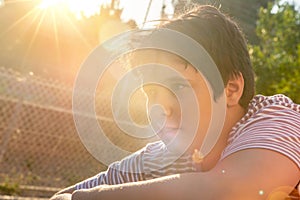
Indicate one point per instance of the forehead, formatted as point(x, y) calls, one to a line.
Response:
point(157, 56)
point(164, 62)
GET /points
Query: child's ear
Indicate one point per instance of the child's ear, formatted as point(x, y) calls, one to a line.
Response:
point(234, 90)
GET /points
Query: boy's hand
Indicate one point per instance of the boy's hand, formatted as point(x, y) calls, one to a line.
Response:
point(64, 196)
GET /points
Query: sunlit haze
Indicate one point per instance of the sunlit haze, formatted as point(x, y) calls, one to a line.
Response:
point(132, 9)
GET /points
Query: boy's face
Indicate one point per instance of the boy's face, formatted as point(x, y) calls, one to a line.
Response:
point(177, 102)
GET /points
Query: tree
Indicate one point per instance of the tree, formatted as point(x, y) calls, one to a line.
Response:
point(276, 59)
point(243, 11)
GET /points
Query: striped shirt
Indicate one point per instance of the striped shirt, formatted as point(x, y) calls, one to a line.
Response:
point(271, 123)
point(146, 164)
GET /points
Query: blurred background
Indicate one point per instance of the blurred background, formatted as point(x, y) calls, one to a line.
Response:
point(44, 42)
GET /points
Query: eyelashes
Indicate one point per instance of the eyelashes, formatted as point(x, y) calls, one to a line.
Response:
point(152, 90)
point(179, 86)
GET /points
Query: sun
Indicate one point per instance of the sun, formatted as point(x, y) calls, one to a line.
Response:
point(45, 4)
point(63, 17)
point(138, 10)
point(1, 3)
point(79, 8)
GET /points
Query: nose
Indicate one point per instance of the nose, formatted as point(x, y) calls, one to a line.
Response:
point(162, 96)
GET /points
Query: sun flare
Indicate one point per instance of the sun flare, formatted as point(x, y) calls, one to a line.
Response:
point(137, 10)
point(55, 23)
point(80, 8)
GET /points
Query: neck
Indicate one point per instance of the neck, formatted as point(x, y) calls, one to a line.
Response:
point(233, 115)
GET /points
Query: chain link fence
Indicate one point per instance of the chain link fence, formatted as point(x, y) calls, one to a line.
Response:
point(39, 144)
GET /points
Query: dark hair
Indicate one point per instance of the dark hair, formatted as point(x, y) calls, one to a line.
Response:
point(223, 40)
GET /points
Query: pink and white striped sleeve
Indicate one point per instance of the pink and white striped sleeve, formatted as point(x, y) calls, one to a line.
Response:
point(129, 169)
point(275, 128)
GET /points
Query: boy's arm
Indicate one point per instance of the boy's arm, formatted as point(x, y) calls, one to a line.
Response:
point(117, 173)
point(247, 174)
point(68, 190)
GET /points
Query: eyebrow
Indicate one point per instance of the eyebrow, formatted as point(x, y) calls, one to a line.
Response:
point(182, 61)
point(185, 63)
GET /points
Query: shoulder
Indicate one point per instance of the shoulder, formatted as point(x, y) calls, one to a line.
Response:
point(271, 123)
point(276, 111)
point(279, 102)
point(264, 111)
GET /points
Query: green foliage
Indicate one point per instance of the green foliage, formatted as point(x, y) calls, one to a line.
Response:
point(9, 188)
point(243, 11)
point(276, 60)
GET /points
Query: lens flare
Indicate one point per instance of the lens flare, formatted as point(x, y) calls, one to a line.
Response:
point(77, 7)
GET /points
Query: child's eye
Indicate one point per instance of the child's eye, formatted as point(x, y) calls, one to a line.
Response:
point(179, 86)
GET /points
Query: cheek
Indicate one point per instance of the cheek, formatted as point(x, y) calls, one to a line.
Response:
point(205, 107)
point(205, 114)
point(205, 98)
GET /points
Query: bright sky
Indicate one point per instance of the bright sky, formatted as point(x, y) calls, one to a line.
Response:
point(137, 9)
point(296, 2)
point(133, 9)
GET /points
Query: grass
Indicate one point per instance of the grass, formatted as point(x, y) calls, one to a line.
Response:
point(9, 188)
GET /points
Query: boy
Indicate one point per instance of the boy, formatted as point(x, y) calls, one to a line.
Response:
point(258, 150)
